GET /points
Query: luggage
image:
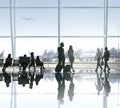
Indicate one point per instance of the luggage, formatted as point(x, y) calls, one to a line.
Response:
point(67, 68)
point(58, 68)
point(67, 72)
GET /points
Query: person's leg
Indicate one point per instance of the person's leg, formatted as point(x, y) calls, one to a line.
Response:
point(72, 66)
point(97, 65)
point(107, 66)
point(63, 63)
point(100, 65)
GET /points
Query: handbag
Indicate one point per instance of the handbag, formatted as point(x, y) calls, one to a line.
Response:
point(102, 63)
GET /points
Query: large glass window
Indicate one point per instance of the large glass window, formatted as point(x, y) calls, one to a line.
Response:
point(4, 22)
point(82, 22)
point(36, 22)
point(113, 21)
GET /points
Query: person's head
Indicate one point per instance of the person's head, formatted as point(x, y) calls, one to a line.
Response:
point(32, 53)
point(62, 44)
point(9, 55)
point(106, 48)
point(98, 49)
point(24, 55)
point(70, 47)
point(37, 57)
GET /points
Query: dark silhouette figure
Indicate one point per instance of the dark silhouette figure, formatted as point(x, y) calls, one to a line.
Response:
point(71, 89)
point(23, 78)
point(61, 56)
point(8, 62)
point(99, 83)
point(32, 60)
point(71, 56)
point(39, 63)
point(61, 87)
point(7, 78)
point(98, 57)
point(23, 62)
point(107, 87)
point(106, 59)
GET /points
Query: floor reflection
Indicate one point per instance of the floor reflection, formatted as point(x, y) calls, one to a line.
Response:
point(58, 90)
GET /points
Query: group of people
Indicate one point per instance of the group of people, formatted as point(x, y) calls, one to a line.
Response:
point(25, 62)
point(101, 59)
point(61, 59)
point(61, 56)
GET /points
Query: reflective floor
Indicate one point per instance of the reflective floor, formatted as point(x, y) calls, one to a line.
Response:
point(81, 91)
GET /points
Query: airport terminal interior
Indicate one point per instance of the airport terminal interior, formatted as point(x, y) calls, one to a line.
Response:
point(39, 27)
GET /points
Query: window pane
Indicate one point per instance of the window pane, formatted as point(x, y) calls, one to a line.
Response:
point(36, 45)
point(36, 22)
point(4, 22)
point(87, 22)
point(36, 3)
point(5, 46)
point(4, 3)
point(114, 2)
point(113, 21)
point(113, 43)
point(82, 3)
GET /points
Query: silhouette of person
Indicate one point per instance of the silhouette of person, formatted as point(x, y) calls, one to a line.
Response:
point(71, 89)
point(71, 56)
point(61, 56)
point(98, 57)
point(106, 83)
point(8, 62)
point(61, 87)
point(23, 62)
point(106, 58)
point(32, 60)
point(7, 78)
point(99, 83)
point(39, 63)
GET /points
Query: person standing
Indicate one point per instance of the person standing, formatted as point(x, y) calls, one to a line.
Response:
point(8, 62)
point(61, 56)
point(98, 57)
point(106, 58)
point(32, 61)
point(71, 56)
